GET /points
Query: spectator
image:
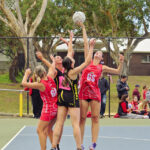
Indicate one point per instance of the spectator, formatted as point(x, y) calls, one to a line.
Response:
point(122, 87)
point(125, 112)
point(136, 92)
point(103, 86)
point(37, 102)
point(144, 92)
point(134, 105)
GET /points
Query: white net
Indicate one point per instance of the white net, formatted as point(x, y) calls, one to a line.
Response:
point(11, 4)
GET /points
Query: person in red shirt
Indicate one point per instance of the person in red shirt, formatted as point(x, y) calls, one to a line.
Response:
point(48, 92)
point(136, 92)
point(89, 93)
point(145, 89)
point(125, 112)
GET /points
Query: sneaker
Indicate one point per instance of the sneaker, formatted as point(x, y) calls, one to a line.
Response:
point(53, 149)
point(93, 146)
point(102, 116)
point(58, 147)
point(82, 147)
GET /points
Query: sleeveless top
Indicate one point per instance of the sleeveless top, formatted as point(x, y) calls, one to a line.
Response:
point(89, 82)
point(69, 94)
point(57, 80)
point(49, 96)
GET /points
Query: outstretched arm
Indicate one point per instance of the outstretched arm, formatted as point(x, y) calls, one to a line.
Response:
point(86, 45)
point(34, 85)
point(41, 57)
point(69, 44)
point(52, 71)
point(78, 69)
point(70, 48)
point(112, 70)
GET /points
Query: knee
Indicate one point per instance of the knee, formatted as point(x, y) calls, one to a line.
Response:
point(38, 130)
point(95, 119)
point(82, 118)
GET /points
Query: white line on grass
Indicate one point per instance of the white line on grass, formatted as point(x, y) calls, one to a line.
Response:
point(13, 137)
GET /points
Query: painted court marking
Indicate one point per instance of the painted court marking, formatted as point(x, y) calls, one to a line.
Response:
point(13, 138)
point(22, 132)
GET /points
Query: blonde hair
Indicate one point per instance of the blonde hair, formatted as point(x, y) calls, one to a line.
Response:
point(40, 72)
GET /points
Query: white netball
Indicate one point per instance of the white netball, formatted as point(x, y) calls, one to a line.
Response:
point(78, 16)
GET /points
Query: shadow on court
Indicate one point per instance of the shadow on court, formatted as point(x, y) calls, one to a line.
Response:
point(110, 138)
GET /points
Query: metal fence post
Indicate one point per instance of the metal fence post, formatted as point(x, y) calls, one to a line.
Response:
point(109, 76)
point(27, 67)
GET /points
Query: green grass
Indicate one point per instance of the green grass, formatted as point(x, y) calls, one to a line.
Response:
point(9, 101)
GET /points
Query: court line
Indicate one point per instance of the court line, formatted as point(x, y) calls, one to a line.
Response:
point(104, 137)
point(13, 137)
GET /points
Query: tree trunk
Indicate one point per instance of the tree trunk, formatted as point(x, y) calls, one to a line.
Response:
point(13, 70)
point(32, 59)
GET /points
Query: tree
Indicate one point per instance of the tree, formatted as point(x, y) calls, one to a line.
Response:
point(19, 24)
point(118, 18)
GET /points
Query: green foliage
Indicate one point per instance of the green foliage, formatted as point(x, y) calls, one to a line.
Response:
point(4, 78)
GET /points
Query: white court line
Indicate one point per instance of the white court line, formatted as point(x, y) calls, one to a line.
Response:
point(13, 137)
point(103, 137)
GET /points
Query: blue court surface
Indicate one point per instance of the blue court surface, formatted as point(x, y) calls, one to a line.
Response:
point(110, 138)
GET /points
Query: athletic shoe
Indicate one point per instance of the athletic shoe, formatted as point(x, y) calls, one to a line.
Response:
point(82, 147)
point(53, 149)
point(93, 146)
point(58, 147)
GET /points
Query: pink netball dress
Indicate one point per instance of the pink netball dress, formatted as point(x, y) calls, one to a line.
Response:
point(49, 97)
point(89, 83)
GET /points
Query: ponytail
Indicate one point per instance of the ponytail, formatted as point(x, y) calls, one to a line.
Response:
point(67, 65)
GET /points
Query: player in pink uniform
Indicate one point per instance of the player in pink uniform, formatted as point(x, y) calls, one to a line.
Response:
point(48, 92)
point(89, 93)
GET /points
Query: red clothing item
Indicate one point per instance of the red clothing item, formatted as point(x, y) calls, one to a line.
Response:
point(124, 108)
point(134, 105)
point(89, 82)
point(29, 89)
point(144, 94)
point(137, 93)
point(49, 97)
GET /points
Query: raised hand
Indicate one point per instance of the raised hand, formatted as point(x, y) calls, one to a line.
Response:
point(65, 41)
point(39, 55)
point(28, 72)
point(92, 43)
point(80, 24)
point(121, 58)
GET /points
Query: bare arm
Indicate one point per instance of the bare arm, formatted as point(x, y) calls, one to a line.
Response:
point(112, 70)
point(70, 48)
point(46, 62)
point(52, 71)
point(35, 85)
point(86, 45)
point(78, 69)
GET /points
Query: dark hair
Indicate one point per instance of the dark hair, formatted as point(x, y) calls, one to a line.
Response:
point(123, 97)
point(123, 76)
point(54, 55)
point(144, 87)
point(67, 65)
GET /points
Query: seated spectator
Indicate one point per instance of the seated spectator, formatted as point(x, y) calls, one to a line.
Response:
point(134, 105)
point(125, 112)
point(144, 107)
point(136, 92)
point(144, 92)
